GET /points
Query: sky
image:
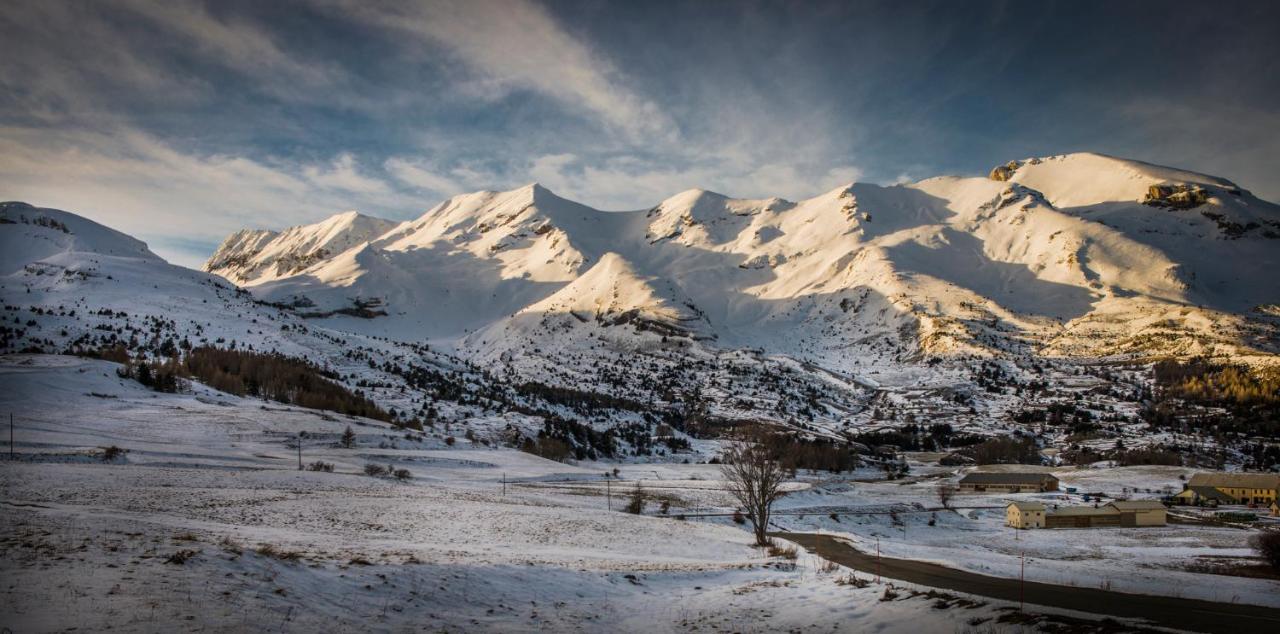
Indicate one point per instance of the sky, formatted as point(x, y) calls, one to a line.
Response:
point(180, 121)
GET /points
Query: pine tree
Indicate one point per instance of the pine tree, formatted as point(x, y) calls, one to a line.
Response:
point(348, 438)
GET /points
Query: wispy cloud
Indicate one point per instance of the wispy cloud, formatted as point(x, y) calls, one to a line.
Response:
point(519, 45)
point(140, 185)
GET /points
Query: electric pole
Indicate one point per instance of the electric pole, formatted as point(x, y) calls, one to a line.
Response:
point(608, 492)
point(299, 452)
point(11, 435)
point(877, 560)
point(504, 483)
point(1022, 589)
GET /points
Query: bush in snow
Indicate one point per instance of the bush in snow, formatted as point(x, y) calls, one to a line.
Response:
point(319, 465)
point(375, 470)
point(1268, 546)
point(110, 454)
point(635, 505)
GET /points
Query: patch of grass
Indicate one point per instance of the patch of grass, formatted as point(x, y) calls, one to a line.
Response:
point(270, 550)
point(181, 557)
point(785, 552)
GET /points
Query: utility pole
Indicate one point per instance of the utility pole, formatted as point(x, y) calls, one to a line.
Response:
point(504, 482)
point(877, 560)
point(1022, 589)
point(10, 435)
point(608, 491)
point(299, 452)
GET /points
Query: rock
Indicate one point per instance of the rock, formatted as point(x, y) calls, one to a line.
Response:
point(1004, 172)
point(1176, 195)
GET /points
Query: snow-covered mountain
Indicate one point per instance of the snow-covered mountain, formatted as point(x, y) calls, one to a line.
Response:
point(1079, 255)
point(258, 255)
point(505, 311)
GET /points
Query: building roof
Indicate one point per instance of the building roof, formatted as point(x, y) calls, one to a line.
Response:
point(1138, 505)
point(1086, 510)
point(1210, 493)
point(1013, 477)
point(1236, 480)
point(1026, 506)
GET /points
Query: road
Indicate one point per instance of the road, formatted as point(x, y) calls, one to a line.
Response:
point(1172, 612)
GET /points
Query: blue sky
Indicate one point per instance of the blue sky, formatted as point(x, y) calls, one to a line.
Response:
point(179, 122)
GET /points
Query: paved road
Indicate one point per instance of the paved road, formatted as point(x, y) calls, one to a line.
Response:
point(1183, 614)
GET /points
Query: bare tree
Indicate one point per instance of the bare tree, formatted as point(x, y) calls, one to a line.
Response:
point(755, 480)
point(946, 493)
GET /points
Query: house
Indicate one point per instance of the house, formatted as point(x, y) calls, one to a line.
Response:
point(1203, 496)
point(1024, 515)
point(1231, 488)
point(1140, 512)
point(1012, 482)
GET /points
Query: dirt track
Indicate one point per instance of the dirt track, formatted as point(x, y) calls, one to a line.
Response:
point(1183, 614)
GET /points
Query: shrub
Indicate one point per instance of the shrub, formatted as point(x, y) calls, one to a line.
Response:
point(739, 518)
point(375, 470)
point(635, 505)
point(110, 454)
point(348, 439)
point(320, 466)
point(402, 474)
point(1268, 546)
point(450, 441)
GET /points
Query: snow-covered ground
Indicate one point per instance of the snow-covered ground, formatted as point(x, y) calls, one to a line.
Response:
point(90, 544)
point(974, 537)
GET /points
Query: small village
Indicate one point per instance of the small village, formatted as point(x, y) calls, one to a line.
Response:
point(1248, 495)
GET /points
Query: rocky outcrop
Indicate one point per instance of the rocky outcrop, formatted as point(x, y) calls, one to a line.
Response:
point(1176, 196)
point(1004, 172)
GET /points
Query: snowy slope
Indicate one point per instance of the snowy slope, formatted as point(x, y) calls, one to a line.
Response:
point(1060, 256)
point(256, 256)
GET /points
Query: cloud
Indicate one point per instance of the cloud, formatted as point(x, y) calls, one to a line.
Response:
point(518, 44)
point(343, 174)
point(138, 184)
point(423, 177)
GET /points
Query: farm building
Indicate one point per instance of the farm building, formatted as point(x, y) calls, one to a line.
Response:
point(1122, 513)
point(1083, 517)
point(1024, 515)
point(1014, 482)
point(1231, 488)
point(1140, 512)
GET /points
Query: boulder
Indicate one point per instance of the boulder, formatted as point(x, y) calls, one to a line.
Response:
point(1004, 172)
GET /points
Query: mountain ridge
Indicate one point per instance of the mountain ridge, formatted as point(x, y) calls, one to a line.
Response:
point(1040, 251)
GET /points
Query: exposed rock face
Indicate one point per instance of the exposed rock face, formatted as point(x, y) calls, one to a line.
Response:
point(1177, 196)
point(1004, 172)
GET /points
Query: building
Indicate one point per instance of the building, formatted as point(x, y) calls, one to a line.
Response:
point(1231, 488)
point(1141, 512)
point(1024, 515)
point(1121, 513)
point(1083, 517)
point(1012, 482)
